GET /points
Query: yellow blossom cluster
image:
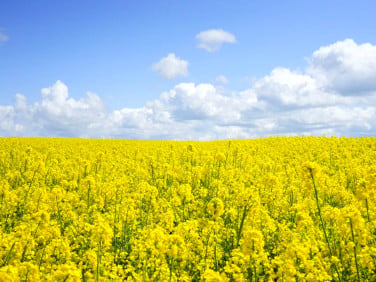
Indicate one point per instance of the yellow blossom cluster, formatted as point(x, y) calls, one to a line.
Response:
point(273, 209)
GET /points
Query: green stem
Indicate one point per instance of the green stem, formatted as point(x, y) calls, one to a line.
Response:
point(7, 257)
point(320, 215)
point(206, 248)
point(322, 219)
point(88, 198)
point(215, 251)
point(98, 259)
point(355, 255)
point(41, 257)
point(367, 210)
point(171, 267)
point(240, 229)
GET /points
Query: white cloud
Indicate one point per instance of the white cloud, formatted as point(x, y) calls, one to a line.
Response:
point(3, 37)
point(20, 102)
point(345, 67)
point(343, 116)
point(221, 79)
point(55, 115)
point(287, 88)
point(171, 67)
point(211, 40)
point(285, 102)
point(6, 118)
point(188, 101)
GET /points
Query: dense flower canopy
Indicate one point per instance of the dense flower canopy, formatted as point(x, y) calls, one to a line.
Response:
point(299, 208)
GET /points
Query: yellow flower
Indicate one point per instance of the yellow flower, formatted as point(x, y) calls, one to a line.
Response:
point(212, 276)
point(215, 207)
point(300, 208)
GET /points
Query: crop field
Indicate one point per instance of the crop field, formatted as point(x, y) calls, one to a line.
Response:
point(273, 209)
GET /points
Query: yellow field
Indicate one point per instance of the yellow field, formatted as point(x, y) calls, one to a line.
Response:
point(286, 209)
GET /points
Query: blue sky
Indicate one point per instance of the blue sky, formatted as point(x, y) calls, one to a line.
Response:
point(135, 69)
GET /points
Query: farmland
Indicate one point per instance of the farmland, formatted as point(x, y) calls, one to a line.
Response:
point(280, 208)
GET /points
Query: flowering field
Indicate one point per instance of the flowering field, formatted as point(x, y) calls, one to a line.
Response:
point(286, 209)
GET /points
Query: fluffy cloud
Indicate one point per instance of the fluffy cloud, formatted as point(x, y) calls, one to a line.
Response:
point(284, 87)
point(211, 40)
point(315, 101)
point(171, 67)
point(345, 67)
point(55, 115)
point(188, 101)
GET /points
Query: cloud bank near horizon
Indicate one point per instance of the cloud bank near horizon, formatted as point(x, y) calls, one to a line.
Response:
point(334, 95)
